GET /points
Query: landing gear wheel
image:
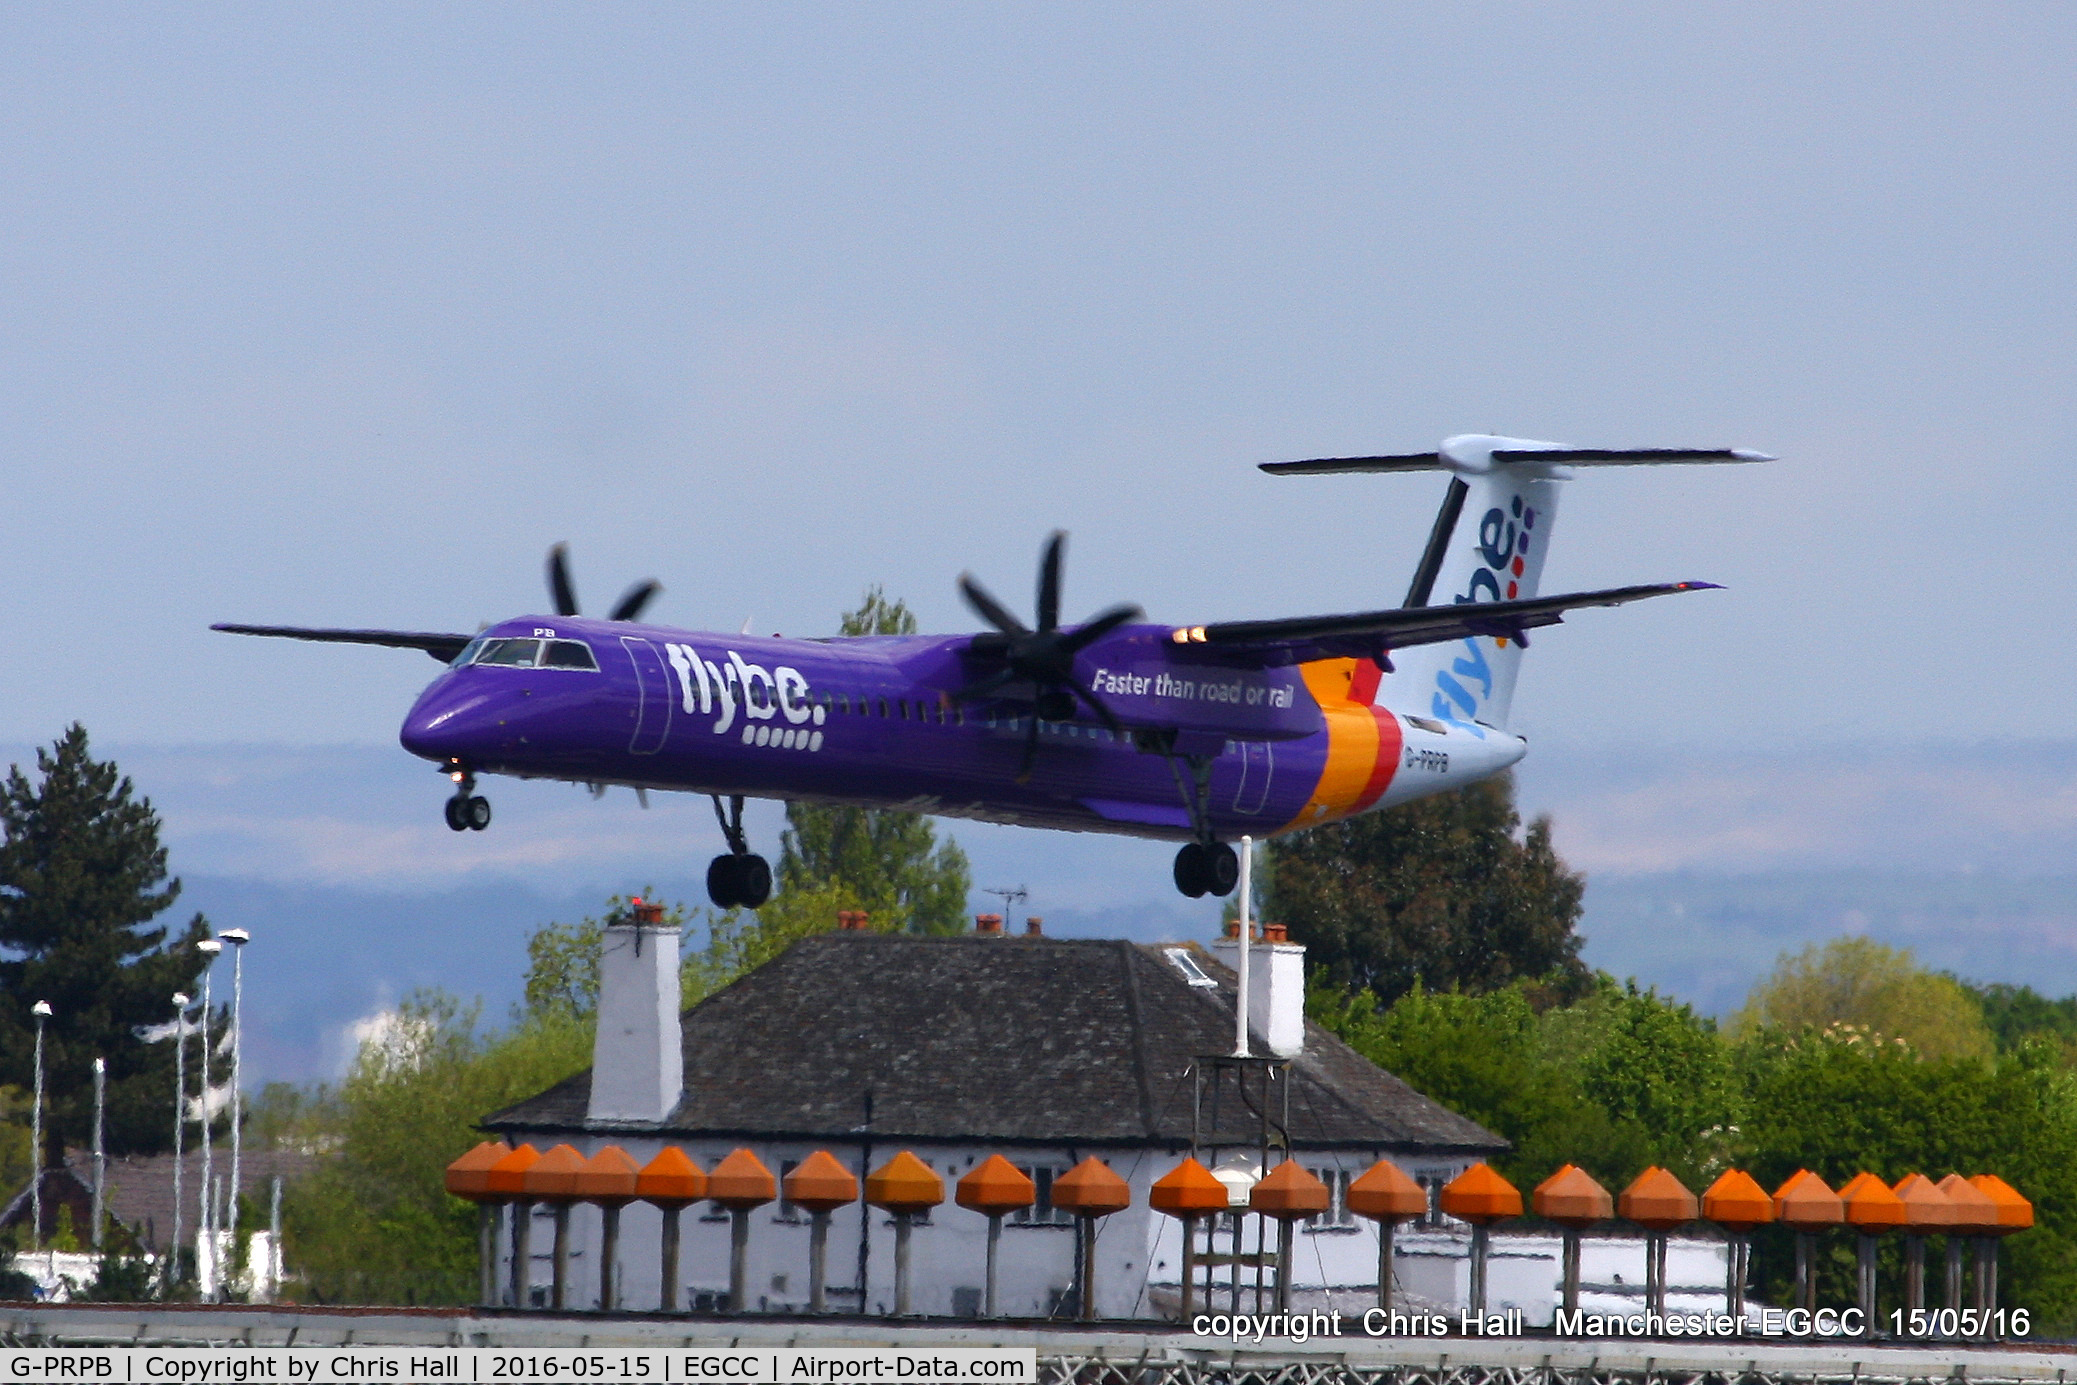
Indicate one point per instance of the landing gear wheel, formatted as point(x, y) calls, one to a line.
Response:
point(457, 814)
point(477, 813)
point(1193, 877)
point(739, 882)
point(1222, 869)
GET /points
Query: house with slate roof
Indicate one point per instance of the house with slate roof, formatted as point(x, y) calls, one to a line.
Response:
point(1043, 1050)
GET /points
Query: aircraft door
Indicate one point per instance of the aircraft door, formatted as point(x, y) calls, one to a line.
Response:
point(653, 696)
point(1257, 762)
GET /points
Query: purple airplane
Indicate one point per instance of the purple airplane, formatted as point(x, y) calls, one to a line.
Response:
point(1190, 733)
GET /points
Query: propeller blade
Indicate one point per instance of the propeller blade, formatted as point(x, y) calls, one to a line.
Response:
point(559, 588)
point(1031, 736)
point(1099, 627)
point(634, 599)
point(1049, 582)
point(987, 607)
point(1103, 712)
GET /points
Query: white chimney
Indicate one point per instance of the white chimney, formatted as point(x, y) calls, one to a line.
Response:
point(1276, 988)
point(637, 1058)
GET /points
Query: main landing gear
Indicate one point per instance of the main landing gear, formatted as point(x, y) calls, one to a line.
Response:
point(1204, 868)
point(738, 880)
point(467, 811)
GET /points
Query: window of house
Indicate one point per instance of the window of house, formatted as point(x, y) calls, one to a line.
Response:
point(1042, 1212)
point(1337, 1217)
point(786, 1212)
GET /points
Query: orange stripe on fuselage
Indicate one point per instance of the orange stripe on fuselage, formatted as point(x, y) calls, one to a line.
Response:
point(1363, 741)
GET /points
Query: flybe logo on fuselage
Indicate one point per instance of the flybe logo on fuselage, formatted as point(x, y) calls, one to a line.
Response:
point(735, 685)
point(1503, 547)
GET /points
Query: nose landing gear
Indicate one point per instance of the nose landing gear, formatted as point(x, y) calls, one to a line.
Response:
point(467, 811)
point(1204, 868)
point(738, 880)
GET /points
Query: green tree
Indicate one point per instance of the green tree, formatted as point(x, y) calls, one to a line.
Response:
point(82, 876)
point(1861, 983)
point(2016, 1014)
point(1439, 891)
point(890, 863)
point(375, 1224)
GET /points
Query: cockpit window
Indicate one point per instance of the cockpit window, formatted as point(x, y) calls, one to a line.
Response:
point(568, 654)
point(510, 653)
point(468, 654)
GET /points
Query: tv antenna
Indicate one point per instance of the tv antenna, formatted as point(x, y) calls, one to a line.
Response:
point(1010, 898)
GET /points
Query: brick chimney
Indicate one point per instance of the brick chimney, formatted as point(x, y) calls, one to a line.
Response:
point(988, 925)
point(637, 1058)
point(1034, 927)
point(1276, 985)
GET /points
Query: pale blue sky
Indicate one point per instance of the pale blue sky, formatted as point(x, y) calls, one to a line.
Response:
point(342, 314)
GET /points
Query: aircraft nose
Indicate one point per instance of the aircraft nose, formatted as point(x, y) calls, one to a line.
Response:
point(450, 721)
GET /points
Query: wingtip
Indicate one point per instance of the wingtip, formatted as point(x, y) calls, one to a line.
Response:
point(1746, 454)
point(1700, 586)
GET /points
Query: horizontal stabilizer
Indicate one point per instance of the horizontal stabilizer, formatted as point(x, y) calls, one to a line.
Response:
point(1567, 456)
point(441, 647)
point(1276, 643)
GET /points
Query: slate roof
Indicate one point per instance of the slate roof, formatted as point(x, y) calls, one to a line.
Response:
point(1004, 1039)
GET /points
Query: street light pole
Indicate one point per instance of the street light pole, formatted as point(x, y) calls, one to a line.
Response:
point(41, 1009)
point(237, 938)
point(205, 1243)
point(100, 1147)
point(180, 1121)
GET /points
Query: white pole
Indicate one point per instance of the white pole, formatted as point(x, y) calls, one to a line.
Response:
point(238, 937)
point(274, 1243)
point(1240, 1008)
point(100, 1146)
point(180, 1120)
point(42, 1012)
point(205, 1247)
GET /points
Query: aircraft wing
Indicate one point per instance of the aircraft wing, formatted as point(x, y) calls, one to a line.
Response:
point(1368, 634)
point(441, 647)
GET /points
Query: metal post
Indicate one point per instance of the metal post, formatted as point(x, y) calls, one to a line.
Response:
point(1239, 1249)
point(100, 1147)
point(668, 1300)
point(1569, 1238)
point(994, 1247)
point(1240, 998)
point(739, 1259)
point(487, 1219)
point(1734, 1274)
point(1806, 1282)
point(609, 1253)
point(274, 1249)
point(180, 1120)
point(237, 937)
point(901, 1264)
point(1864, 1279)
point(1986, 1282)
point(1385, 1230)
point(1478, 1269)
point(1088, 1269)
point(1954, 1275)
point(1914, 1273)
point(818, 1259)
point(522, 1254)
point(208, 947)
point(42, 1012)
point(558, 1284)
point(1189, 1266)
point(1283, 1265)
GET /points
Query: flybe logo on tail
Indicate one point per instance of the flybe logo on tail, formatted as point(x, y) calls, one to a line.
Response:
point(759, 693)
point(1503, 545)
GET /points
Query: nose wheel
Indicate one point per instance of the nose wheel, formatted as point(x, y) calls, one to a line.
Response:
point(739, 880)
point(1204, 868)
point(467, 811)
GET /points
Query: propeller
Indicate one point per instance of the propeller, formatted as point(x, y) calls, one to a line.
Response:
point(1045, 657)
point(565, 595)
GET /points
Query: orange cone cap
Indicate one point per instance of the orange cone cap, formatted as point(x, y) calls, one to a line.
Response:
point(1481, 1196)
point(608, 1178)
point(1657, 1201)
point(821, 1184)
point(2015, 1213)
point(468, 1177)
point(1974, 1213)
point(1871, 1208)
point(1926, 1208)
point(1090, 1189)
point(1805, 1202)
point(503, 1178)
point(741, 1181)
point(1737, 1202)
point(904, 1184)
point(1385, 1193)
point(1571, 1197)
point(1188, 1190)
point(671, 1179)
point(1288, 1193)
point(994, 1187)
point(553, 1176)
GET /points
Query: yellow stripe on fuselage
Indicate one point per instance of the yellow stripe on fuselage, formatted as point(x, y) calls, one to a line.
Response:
point(1352, 737)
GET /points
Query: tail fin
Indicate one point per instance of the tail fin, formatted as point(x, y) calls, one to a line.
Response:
point(1488, 544)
